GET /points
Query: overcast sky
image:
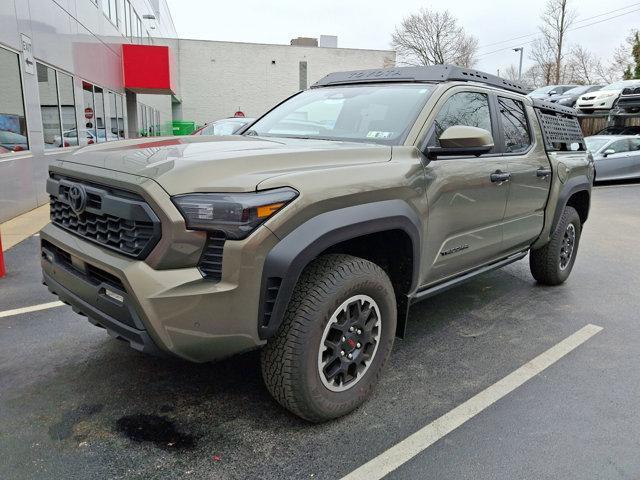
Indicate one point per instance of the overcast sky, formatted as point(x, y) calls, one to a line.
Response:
point(369, 23)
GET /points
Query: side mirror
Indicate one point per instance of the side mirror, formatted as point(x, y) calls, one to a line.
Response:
point(552, 92)
point(462, 140)
point(608, 151)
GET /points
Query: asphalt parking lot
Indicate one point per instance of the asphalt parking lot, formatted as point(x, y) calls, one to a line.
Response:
point(76, 404)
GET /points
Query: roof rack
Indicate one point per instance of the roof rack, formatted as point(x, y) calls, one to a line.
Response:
point(434, 73)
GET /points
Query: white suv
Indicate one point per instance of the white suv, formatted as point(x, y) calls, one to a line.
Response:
point(604, 98)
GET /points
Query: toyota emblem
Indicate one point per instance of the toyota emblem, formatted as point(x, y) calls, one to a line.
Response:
point(77, 198)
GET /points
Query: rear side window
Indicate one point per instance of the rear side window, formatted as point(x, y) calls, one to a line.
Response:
point(470, 109)
point(513, 118)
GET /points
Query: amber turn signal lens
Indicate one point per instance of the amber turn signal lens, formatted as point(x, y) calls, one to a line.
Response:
point(267, 210)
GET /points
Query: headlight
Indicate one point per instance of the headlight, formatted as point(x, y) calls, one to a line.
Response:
point(235, 214)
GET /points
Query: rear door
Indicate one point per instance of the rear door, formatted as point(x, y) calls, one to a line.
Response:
point(466, 208)
point(530, 170)
point(634, 167)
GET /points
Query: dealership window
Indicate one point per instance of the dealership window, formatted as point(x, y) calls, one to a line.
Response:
point(89, 112)
point(98, 98)
point(148, 121)
point(13, 125)
point(57, 107)
point(116, 120)
point(127, 18)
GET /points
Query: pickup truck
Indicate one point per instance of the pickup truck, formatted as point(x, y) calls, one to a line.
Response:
point(312, 233)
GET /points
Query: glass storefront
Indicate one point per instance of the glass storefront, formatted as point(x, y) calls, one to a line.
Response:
point(13, 124)
point(57, 107)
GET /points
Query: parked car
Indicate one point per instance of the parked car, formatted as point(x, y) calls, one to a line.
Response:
point(545, 92)
point(619, 130)
point(71, 137)
point(311, 242)
point(570, 97)
point(616, 157)
point(226, 126)
point(605, 98)
point(629, 101)
point(13, 141)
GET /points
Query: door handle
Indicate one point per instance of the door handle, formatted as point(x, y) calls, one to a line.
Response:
point(499, 176)
point(543, 172)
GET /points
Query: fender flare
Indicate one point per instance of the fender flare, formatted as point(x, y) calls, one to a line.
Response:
point(286, 261)
point(573, 185)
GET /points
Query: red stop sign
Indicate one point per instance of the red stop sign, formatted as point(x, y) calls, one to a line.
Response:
point(88, 113)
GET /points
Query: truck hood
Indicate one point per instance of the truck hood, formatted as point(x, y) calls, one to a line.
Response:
point(224, 163)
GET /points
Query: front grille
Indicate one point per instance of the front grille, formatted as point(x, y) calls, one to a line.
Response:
point(119, 220)
point(210, 264)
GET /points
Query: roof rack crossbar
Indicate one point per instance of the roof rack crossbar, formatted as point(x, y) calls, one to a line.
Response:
point(433, 73)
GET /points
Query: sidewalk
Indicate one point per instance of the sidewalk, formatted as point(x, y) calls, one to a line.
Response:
point(23, 226)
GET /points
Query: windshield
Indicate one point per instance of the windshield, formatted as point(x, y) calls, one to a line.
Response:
point(578, 90)
point(541, 90)
point(372, 113)
point(595, 144)
point(620, 85)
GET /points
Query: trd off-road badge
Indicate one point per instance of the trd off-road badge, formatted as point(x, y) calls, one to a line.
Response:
point(459, 248)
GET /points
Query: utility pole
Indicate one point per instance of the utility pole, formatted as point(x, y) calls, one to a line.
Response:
point(521, 50)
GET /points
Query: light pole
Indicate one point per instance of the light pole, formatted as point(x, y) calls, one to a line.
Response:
point(521, 50)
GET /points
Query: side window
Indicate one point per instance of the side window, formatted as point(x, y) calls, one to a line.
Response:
point(619, 146)
point(635, 144)
point(470, 109)
point(513, 118)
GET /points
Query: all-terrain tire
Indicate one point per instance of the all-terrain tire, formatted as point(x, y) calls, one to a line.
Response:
point(547, 264)
point(290, 361)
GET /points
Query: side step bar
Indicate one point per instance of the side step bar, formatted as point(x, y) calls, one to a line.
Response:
point(406, 301)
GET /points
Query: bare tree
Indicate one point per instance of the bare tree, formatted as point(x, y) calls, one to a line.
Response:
point(543, 70)
point(430, 37)
point(511, 73)
point(583, 66)
point(557, 18)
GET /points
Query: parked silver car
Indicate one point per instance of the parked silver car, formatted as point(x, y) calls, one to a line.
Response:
point(617, 157)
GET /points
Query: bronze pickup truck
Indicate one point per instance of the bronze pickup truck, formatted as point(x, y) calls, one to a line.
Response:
point(311, 233)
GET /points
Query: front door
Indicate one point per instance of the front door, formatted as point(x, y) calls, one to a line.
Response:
point(530, 170)
point(466, 207)
point(622, 161)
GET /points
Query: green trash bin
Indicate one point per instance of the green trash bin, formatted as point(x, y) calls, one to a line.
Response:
point(183, 127)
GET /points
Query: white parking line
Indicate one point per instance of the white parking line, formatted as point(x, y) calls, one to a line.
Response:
point(32, 308)
point(411, 446)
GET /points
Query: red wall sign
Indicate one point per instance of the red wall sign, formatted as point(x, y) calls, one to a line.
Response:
point(148, 69)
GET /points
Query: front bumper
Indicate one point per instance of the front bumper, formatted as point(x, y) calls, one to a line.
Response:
point(173, 311)
point(596, 104)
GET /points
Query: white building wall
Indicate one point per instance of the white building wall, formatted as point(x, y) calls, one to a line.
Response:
point(73, 36)
point(219, 78)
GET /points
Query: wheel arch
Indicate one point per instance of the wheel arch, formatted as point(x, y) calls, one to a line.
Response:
point(345, 230)
point(577, 194)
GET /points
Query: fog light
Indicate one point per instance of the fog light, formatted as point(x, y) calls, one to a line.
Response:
point(114, 296)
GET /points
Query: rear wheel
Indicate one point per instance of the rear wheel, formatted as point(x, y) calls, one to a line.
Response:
point(552, 264)
point(334, 340)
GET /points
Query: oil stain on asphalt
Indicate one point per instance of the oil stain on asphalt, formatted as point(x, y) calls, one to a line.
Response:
point(155, 429)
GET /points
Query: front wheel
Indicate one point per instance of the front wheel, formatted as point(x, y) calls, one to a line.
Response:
point(335, 338)
point(552, 264)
